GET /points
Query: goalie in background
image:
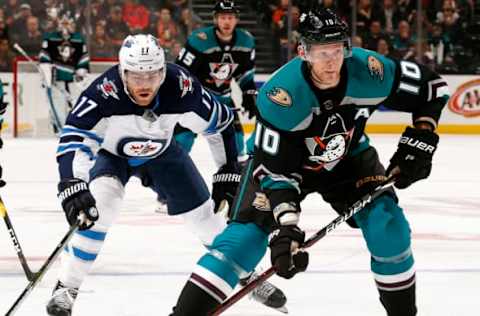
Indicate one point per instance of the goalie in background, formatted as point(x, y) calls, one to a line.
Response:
point(64, 61)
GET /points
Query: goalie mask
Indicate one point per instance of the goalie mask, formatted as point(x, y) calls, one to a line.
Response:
point(322, 26)
point(142, 67)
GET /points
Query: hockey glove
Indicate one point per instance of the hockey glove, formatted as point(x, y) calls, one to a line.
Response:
point(413, 158)
point(285, 255)
point(77, 202)
point(225, 183)
point(249, 102)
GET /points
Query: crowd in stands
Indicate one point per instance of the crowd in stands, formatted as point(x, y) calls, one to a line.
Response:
point(449, 39)
point(104, 24)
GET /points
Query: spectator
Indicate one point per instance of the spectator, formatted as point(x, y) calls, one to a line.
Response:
point(420, 54)
point(365, 13)
point(30, 39)
point(117, 29)
point(372, 37)
point(20, 21)
point(357, 41)
point(405, 9)
point(136, 16)
point(166, 28)
point(188, 21)
point(448, 18)
point(389, 16)
point(279, 13)
point(12, 11)
point(6, 56)
point(3, 28)
point(101, 46)
point(383, 47)
point(402, 41)
point(172, 49)
point(440, 45)
point(285, 45)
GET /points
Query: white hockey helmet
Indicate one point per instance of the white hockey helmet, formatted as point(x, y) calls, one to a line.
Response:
point(141, 53)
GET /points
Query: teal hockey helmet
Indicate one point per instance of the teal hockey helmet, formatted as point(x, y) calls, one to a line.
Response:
point(323, 26)
point(225, 6)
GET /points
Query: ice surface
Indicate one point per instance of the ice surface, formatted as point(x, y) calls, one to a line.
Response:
point(148, 256)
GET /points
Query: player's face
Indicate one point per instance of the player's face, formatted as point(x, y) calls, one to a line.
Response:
point(226, 23)
point(326, 61)
point(143, 86)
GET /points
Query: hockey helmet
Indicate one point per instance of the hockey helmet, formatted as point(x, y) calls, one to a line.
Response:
point(66, 25)
point(323, 26)
point(225, 6)
point(141, 53)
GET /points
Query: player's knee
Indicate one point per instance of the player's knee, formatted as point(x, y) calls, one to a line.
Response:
point(204, 223)
point(108, 193)
point(384, 227)
point(242, 243)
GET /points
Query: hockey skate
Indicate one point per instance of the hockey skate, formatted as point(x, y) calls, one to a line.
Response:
point(267, 294)
point(162, 207)
point(62, 300)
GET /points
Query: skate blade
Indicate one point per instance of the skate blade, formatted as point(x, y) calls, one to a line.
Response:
point(282, 309)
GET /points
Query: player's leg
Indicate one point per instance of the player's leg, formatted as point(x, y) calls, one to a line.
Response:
point(384, 227)
point(232, 256)
point(387, 234)
point(239, 134)
point(184, 137)
point(109, 176)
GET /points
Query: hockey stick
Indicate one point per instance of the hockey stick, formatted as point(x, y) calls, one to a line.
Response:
point(56, 120)
point(16, 244)
point(352, 210)
point(43, 269)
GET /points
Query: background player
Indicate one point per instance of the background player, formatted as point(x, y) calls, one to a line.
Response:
point(64, 60)
point(216, 55)
point(316, 106)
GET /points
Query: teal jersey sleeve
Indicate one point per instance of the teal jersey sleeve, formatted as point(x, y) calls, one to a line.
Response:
point(286, 100)
point(371, 77)
point(245, 42)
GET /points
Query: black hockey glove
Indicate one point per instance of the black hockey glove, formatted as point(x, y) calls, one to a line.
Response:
point(413, 158)
point(249, 102)
point(77, 201)
point(285, 255)
point(225, 183)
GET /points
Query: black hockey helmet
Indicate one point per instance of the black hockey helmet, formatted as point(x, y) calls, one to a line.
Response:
point(323, 26)
point(225, 6)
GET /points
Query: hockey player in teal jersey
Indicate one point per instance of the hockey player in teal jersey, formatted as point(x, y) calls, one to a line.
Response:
point(64, 61)
point(310, 138)
point(217, 55)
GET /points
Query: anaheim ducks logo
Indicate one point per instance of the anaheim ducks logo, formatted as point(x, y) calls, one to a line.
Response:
point(280, 96)
point(202, 35)
point(375, 67)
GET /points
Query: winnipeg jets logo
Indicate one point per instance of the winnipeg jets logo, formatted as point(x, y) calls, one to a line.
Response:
point(185, 83)
point(66, 51)
point(222, 72)
point(108, 88)
point(329, 148)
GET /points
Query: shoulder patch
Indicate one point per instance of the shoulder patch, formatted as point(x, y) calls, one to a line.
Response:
point(108, 88)
point(280, 96)
point(185, 83)
point(202, 35)
point(375, 67)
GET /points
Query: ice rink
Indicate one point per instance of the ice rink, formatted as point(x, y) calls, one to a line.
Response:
point(147, 256)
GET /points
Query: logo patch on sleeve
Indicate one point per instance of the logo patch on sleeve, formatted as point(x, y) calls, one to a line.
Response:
point(280, 97)
point(108, 88)
point(375, 67)
point(202, 36)
point(186, 84)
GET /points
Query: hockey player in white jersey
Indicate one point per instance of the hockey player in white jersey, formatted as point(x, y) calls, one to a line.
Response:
point(125, 120)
